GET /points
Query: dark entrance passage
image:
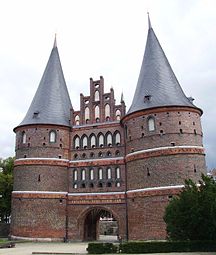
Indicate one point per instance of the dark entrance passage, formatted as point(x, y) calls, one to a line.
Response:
point(100, 224)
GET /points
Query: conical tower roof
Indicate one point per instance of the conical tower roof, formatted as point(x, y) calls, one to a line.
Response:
point(157, 85)
point(51, 103)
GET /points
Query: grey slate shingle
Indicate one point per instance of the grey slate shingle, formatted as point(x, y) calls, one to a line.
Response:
point(157, 85)
point(51, 103)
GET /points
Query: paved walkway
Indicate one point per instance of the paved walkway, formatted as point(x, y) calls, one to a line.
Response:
point(28, 248)
point(64, 248)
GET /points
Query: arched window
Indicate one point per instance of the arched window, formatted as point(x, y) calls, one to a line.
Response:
point(24, 137)
point(52, 136)
point(101, 140)
point(87, 114)
point(85, 142)
point(93, 141)
point(118, 173)
point(83, 175)
point(91, 174)
point(75, 186)
point(109, 140)
point(97, 95)
point(77, 120)
point(118, 114)
point(97, 112)
point(109, 173)
point(75, 176)
point(107, 110)
point(151, 124)
point(117, 138)
point(100, 174)
point(77, 142)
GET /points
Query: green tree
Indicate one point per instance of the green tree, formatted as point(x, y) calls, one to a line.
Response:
point(6, 187)
point(192, 214)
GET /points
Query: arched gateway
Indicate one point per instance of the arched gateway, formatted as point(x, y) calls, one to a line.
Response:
point(97, 222)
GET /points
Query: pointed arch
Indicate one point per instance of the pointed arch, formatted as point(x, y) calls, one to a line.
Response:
point(101, 140)
point(93, 141)
point(84, 141)
point(87, 114)
point(117, 137)
point(118, 114)
point(96, 96)
point(107, 111)
point(97, 112)
point(109, 139)
point(76, 142)
point(77, 120)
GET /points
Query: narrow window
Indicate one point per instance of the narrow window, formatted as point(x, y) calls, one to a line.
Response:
point(117, 173)
point(100, 174)
point(91, 174)
point(83, 175)
point(109, 140)
point(118, 184)
point(101, 140)
point(52, 136)
point(23, 137)
point(75, 186)
point(84, 142)
point(151, 124)
point(118, 114)
point(93, 141)
point(75, 175)
point(87, 114)
point(97, 95)
point(77, 120)
point(107, 111)
point(109, 173)
point(117, 138)
point(97, 112)
point(77, 142)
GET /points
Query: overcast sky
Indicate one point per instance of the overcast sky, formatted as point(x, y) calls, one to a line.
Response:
point(104, 37)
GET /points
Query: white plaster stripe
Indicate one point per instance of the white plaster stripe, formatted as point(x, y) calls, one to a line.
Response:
point(100, 193)
point(96, 193)
point(156, 188)
point(57, 159)
point(40, 192)
point(166, 148)
point(99, 159)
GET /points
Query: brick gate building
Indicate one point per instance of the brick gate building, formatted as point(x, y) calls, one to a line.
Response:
point(72, 167)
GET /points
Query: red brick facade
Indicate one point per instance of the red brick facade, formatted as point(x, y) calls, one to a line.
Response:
point(104, 161)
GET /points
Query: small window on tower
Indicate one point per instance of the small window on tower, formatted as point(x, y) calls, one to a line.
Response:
point(23, 137)
point(77, 120)
point(151, 124)
point(52, 136)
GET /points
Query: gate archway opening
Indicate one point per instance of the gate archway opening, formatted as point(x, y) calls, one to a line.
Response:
point(101, 225)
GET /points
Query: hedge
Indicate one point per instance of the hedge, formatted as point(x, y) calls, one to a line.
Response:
point(152, 247)
point(100, 248)
point(175, 246)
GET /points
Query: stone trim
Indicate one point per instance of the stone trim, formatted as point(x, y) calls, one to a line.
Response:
point(41, 161)
point(97, 162)
point(164, 151)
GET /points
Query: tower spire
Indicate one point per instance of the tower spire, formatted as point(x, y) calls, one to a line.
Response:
point(149, 21)
point(55, 41)
point(157, 84)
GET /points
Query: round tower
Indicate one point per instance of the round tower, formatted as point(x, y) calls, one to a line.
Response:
point(163, 143)
point(42, 159)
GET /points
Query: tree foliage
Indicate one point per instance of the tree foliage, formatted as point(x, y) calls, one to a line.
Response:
point(192, 214)
point(6, 187)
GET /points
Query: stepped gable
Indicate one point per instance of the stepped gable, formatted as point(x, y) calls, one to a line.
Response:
point(51, 103)
point(157, 84)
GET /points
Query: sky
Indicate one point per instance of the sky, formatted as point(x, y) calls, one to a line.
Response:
point(104, 37)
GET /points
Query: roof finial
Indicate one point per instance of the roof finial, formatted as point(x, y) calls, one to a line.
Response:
point(55, 42)
point(149, 22)
point(122, 97)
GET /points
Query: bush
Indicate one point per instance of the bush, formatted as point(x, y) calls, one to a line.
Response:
point(160, 247)
point(100, 248)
